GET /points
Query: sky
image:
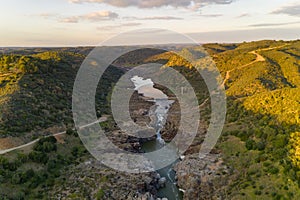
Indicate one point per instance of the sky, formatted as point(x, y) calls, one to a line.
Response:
point(89, 22)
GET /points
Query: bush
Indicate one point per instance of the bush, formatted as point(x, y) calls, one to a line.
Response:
point(47, 145)
point(257, 192)
point(70, 131)
point(100, 194)
point(78, 151)
point(250, 144)
point(261, 146)
point(273, 170)
point(39, 157)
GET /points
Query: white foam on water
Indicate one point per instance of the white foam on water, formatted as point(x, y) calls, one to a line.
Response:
point(145, 87)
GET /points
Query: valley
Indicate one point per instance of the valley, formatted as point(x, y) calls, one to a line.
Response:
point(256, 156)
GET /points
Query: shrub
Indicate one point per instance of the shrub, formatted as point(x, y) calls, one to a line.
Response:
point(250, 144)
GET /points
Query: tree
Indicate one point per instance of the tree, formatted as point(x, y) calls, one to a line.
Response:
point(294, 149)
point(39, 157)
point(46, 145)
point(260, 145)
point(250, 144)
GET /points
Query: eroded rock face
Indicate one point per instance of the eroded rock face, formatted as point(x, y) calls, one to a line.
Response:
point(91, 178)
point(87, 179)
point(171, 127)
point(202, 178)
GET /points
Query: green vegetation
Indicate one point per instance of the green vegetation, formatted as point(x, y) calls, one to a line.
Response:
point(294, 146)
point(260, 137)
point(263, 112)
point(260, 141)
point(36, 91)
point(32, 175)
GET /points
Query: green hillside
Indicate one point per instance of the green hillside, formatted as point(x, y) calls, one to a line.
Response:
point(260, 141)
point(263, 118)
point(36, 91)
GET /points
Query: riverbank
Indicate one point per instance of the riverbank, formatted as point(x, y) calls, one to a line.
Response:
point(165, 182)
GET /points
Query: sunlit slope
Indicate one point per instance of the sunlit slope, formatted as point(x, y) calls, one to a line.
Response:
point(269, 86)
point(36, 91)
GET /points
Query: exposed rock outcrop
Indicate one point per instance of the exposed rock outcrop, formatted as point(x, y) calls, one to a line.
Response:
point(202, 178)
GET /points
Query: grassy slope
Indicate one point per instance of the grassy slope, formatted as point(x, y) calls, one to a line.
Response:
point(263, 101)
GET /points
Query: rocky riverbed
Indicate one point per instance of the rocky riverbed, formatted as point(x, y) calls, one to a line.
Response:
point(197, 178)
point(202, 178)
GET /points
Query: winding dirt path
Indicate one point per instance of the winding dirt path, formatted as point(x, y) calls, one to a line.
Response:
point(4, 151)
point(259, 58)
point(7, 74)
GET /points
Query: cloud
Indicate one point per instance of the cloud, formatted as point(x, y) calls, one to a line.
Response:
point(243, 15)
point(153, 18)
point(112, 27)
point(210, 15)
point(47, 15)
point(246, 35)
point(273, 24)
point(69, 20)
point(292, 10)
point(93, 17)
point(101, 15)
point(156, 3)
point(161, 18)
point(131, 24)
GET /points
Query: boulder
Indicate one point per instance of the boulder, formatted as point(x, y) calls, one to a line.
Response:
point(157, 176)
point(162, 182)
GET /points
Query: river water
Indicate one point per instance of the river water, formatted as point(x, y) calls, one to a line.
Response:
point(159, 114)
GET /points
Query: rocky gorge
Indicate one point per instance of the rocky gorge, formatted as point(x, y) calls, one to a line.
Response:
point(196, 178)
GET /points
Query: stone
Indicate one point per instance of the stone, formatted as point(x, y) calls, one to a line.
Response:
point(157, 176)
point(162, 182)
point(151, 198)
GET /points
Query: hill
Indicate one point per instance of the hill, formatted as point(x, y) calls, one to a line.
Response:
point(259, 146)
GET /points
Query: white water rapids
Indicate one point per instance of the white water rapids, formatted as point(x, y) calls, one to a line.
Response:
point(162, 106)
point(162, 103)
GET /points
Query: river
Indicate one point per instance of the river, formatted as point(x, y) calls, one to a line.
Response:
point(159, 112)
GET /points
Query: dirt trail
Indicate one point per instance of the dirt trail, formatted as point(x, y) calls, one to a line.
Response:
point(4, 151)
point(259, 58)
point(7, 74)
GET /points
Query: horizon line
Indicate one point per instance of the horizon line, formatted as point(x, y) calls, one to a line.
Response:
point(149, 44)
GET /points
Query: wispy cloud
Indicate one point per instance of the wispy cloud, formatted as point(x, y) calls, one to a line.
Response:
point(210, 15)
point(161, 18)
point(156, 3)
point(69, 20)
point(101, 15)
point(243, 15)
point(47, 15)
point(153, 18)
point(292, 10)
point(113, 27)
point(92, 17)
point(246, 35)
point(273, 24)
